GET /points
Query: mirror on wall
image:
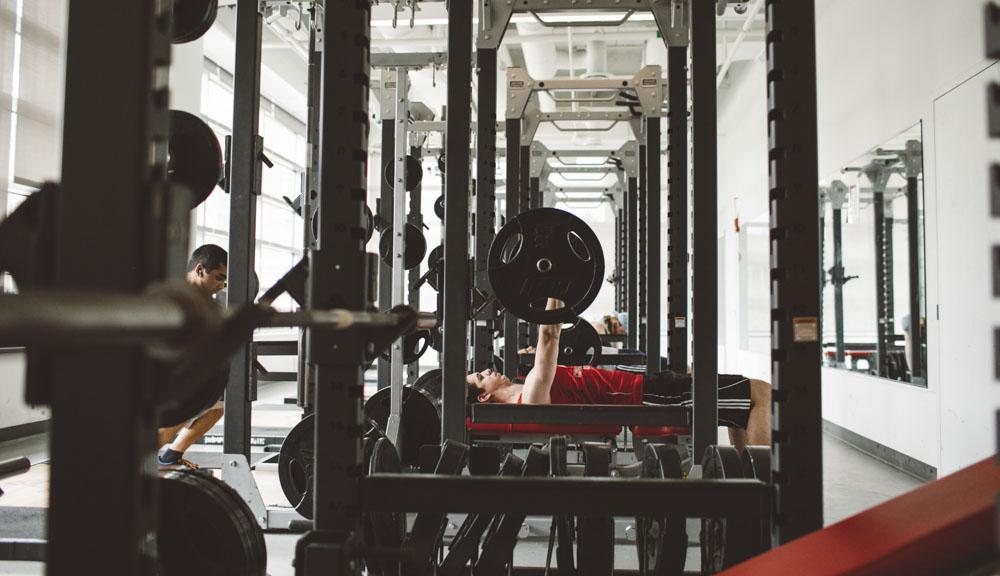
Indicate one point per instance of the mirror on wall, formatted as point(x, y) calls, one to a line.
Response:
point(872, 247)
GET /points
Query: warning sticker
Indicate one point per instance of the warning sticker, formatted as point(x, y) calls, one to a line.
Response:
point(680, 322)
point(805, 329)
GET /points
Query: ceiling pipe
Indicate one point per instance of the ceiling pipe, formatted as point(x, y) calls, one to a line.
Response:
point(731, 55)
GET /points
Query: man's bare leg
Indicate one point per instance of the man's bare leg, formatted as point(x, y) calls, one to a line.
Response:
point(758, 432)
point(196, 430)
point(167, 434)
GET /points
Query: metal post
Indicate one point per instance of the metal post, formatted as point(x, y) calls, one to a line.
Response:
point(85, 382)
point(416, 218)
point(456, 221)
point(385, 216)
point(243, 191)
point(881, 300)
point(619, 224)
point(513, 197)
point(795, 350)
point(392, 428)
point(523, 205)
point(914, 166)
point(306, 393)
point(534, 201)
point(339, 273)
point(705, 429)
point(653, 245)
point(838, 282)
point(534, 192)
point(643, 243)
point(486, 184)
point(631, 262)
point(677, 184)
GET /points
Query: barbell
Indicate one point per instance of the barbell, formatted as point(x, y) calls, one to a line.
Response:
point(546, 253)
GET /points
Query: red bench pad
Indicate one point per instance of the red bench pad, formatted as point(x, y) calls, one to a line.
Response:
point(643, 431)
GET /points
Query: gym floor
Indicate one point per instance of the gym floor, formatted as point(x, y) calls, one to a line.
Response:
point(853, 481)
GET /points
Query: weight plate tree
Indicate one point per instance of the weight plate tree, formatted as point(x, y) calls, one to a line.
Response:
point(546, 253)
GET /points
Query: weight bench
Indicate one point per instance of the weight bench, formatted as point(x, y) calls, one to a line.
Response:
point(537, 433)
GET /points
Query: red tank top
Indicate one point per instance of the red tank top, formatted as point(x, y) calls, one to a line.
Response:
point(589, 385)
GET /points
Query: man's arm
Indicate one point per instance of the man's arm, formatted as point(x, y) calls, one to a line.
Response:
point(538, 383)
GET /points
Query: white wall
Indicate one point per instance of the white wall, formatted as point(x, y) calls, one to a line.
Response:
point(13, 410)
point(884, 66)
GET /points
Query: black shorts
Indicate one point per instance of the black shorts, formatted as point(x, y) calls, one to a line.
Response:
point(671, 389)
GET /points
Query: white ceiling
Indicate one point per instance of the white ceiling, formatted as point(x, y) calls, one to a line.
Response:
point(544, 51)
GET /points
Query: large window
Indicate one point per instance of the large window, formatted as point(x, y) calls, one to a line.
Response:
point(279, 229)
point(31, 87)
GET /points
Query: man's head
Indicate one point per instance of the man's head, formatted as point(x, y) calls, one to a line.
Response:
point(208, 268)
point(487, 386)
point(612, 324)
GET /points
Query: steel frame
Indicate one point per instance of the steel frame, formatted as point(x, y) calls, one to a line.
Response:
point(485, 230)
point(795, 348)
point(837, 195)
point(620, 497)
point(677, 200)
point(244, 186)
point(705, 286)
point(339, 275)
point(575, 415)
point(456, 222)
point(86, 381)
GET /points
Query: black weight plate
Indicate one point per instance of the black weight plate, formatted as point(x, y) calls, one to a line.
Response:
point(757, 463)
point(387, 530)
point(194, 155)
point(724, 543)
point(579, 345)
point(437, 339)
point(439, 207)
point(442, 164)
point(420, 424)
point(414, 173)
point(295, 466)
point(414, 346)
point(430, 384)
point(416, 247)
point(595, 552)
point(192, 18)
point(546, 253)
point(435, 265)
point(662, 541)
point(369, 223)
point(205, 527)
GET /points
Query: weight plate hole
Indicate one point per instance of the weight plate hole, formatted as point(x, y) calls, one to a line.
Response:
point(544, 265)
point(578, 246)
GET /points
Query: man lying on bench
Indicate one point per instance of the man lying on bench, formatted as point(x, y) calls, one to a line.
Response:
point(744, 404)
